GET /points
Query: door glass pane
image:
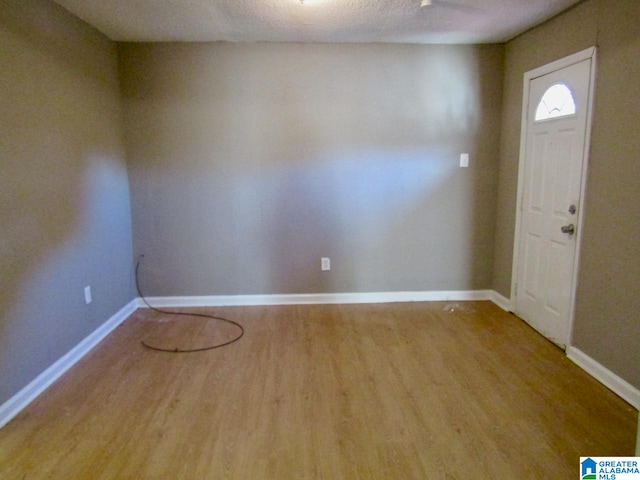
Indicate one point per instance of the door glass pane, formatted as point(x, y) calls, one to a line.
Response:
point(556, 102)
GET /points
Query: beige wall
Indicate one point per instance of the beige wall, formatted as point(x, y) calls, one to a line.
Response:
point(248, 162)
point(607, 325)
point(64, 200)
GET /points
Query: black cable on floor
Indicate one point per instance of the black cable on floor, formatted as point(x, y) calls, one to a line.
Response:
point(201, 315)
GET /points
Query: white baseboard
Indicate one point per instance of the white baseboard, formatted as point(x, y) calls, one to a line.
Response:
point(315, 299)
point(501, 301)
point(605, 376)
point(24, 397)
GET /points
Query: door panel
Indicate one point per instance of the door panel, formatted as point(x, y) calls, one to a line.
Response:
point(532, 261)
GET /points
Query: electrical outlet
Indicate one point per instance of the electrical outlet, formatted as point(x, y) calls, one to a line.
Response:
point(325, 263)
point(464, 160)
point(87, 295)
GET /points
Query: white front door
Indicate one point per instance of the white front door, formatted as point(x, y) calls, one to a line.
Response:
point(553, 163)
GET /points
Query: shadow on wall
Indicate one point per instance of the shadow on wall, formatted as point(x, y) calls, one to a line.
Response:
point(42, 170)
point(250, 162)
point(352, 209)
point(401, 215)
point(61, 163)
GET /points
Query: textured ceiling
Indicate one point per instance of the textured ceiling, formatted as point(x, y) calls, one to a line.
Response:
point(325, 21)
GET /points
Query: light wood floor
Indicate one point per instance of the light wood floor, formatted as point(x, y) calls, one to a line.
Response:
point(395, 391)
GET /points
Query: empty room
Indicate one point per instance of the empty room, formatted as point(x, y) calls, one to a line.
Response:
point(332, 239)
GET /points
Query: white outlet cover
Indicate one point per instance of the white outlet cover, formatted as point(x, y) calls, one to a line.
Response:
point(325, 263)
point(87, 295)
point(464, 160)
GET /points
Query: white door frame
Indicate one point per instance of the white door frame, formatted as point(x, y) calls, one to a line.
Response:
point(528, 76)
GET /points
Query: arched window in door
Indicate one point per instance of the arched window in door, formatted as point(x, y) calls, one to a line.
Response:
point(556, 102)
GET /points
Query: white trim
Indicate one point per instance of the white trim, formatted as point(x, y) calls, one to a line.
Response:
point(605, 376)
point(503, 302)
point(24, 397)
point(315, 298)
point(589, 53)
